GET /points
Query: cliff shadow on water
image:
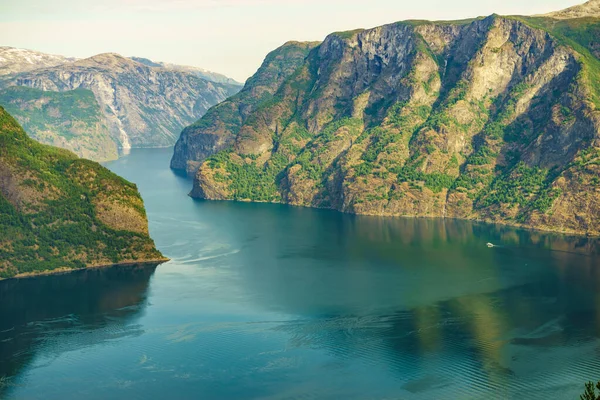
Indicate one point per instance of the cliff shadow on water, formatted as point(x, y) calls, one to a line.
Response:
point(37, 312)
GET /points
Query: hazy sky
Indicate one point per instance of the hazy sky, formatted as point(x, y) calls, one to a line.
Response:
point(227, 36)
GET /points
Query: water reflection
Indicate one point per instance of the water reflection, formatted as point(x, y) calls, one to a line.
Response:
point(270, 302)
point(46, 312)
point(401, 292)
point(352, 263)
point(531, 341)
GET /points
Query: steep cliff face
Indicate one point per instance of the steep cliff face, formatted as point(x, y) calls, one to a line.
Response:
point(58, 211)
point(144, 106)
point(219, 127)
point(492, 119)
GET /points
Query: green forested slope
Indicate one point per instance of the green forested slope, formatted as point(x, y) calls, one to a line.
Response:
point(58, 211)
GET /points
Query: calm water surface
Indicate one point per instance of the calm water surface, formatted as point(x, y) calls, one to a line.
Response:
point(273, 302)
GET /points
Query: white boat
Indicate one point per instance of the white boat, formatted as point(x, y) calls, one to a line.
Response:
point(490, 245)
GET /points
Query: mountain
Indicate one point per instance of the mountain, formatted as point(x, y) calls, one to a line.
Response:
point(141, 105)
point(492, 119)
point(201, 72)
point(72, 120)
point(59, 212)
point(591, 9)
point(13, 60)
point(144, 106)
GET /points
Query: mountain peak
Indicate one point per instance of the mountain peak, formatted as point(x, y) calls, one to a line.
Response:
point(109, 57)
point(588, 9)
point(107, 61)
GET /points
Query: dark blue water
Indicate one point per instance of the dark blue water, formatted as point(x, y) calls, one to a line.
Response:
point(266, 301)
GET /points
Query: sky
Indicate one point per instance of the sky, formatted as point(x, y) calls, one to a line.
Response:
point(227, 36)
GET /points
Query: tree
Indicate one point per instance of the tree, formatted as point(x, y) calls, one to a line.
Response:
point(590, 392)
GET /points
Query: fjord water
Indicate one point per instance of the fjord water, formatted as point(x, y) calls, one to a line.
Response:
point(264, 301)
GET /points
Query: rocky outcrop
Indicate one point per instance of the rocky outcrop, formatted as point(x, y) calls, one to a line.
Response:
point(60, 212)
point(491, 119)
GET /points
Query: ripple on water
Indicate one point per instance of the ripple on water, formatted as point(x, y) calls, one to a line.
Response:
point(271, 302)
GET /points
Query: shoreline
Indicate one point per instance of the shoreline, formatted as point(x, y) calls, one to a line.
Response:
point(571, 233)
point(61, 271)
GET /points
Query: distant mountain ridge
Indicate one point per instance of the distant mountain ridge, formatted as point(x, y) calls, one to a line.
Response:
point(494, 119)
point(14, 60)
point(590, 9)
point(141, 105)
point(201, 72)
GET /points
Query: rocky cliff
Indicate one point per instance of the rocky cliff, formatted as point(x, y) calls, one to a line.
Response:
point(144, 106)
point(491, 119)
point(60, 212)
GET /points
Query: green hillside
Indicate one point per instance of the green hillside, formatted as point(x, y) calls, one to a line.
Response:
point(58, 211)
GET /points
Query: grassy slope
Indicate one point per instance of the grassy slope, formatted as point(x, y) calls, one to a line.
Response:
point(58, 225)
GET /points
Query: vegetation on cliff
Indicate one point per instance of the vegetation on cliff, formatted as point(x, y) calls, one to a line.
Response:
point(58, 211)
point(217, 129)
point(494, 119)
